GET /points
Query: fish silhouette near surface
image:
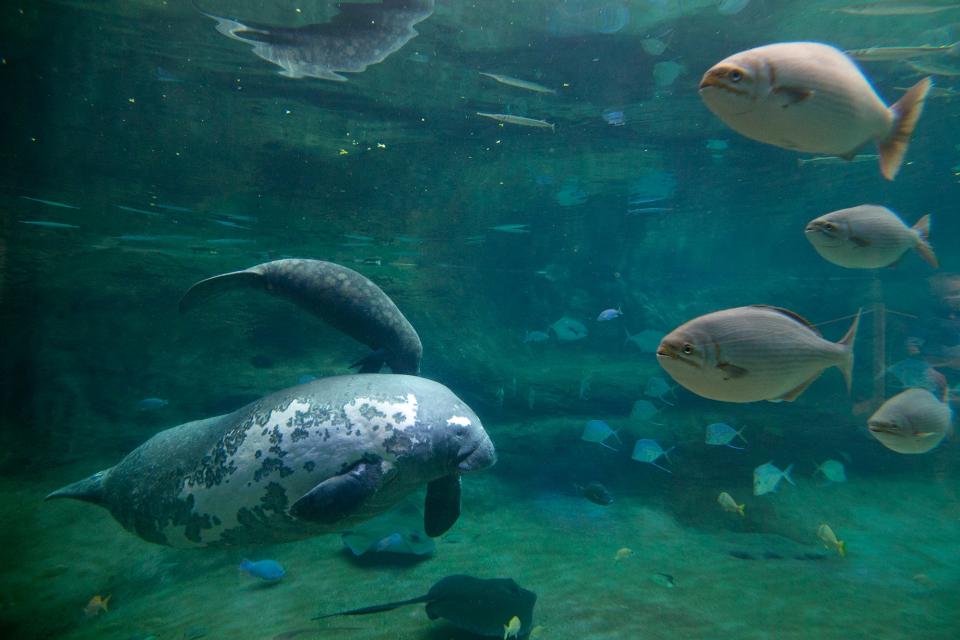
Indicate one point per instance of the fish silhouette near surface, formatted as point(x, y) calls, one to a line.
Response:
point(360, 35)
point(480, 606)
point(808, 96)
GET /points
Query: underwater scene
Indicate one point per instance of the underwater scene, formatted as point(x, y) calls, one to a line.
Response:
point(457, 319)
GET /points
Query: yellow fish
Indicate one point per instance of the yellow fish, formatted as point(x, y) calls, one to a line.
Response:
point(512, 628)
point(622, 554)
point(808, 96)
point(96, 606)
point(729, 504)
point(830, 540)
point(536, 631)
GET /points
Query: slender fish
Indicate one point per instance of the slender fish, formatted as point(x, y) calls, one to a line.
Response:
point(895, 9)
point(518, 120)
point(518, 83)
point(884, 54)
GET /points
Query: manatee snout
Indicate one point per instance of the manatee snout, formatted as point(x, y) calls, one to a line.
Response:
point(477, 453)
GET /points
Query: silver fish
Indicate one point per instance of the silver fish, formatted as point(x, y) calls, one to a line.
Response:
point(885, 54)
point(752, 353)
point(767, 476)
point(936, 67)
point(518, 83)
point(518, 120)
point(811, 97)
point(895, 9)
point(868, 237)
point(912, 421)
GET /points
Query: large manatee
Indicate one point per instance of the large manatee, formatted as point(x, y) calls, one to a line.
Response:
point(316, 458)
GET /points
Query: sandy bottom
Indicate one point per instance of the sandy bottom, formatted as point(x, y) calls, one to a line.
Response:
point(57, 555)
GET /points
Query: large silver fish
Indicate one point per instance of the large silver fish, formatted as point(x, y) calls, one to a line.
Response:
point(868, 237)
point(752, 353)
point(808, 96)
point(912, 421)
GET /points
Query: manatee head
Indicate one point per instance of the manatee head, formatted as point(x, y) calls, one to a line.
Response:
point(462, 444)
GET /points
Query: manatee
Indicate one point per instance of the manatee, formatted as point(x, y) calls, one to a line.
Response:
point(316, 458)
point(481, 606)
point(361, 34)
point(339, 296)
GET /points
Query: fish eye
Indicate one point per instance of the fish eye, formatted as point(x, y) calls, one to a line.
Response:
point(688, 348)
point(735, 75)
point(829, 226)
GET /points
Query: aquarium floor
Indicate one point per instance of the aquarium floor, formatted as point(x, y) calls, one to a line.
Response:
point(56, 556)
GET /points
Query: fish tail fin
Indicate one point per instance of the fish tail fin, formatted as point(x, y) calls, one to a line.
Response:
point(923, 244)
point(740, 508)
point(842, 548)
point(906, 111)
point(667, 452)
point(740, 434)
point(786, 474)
point(218, 285)
point(88, 490)
point(106, 601)
point(846, 364)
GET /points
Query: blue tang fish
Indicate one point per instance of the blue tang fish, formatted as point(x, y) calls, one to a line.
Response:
point(263, 569)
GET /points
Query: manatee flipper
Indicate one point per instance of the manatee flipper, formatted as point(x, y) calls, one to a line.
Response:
point(442, 506)
point(336, 498)
point(218, 285)
point(88, 490)
point(370, 363)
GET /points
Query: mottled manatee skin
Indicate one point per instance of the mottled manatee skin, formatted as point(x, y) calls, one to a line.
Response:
point(349, 302)
point(231, 479)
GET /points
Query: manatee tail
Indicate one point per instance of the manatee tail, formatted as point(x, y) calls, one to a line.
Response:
point(88, 490)
point(906, 111)
point(377, 608)
point(218, 285)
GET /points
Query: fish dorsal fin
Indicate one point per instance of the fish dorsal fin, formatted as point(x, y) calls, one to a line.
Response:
point(790, 314)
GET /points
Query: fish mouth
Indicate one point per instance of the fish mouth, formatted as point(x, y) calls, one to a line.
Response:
point(818, 228)
point(882, 427)
point(667, 351)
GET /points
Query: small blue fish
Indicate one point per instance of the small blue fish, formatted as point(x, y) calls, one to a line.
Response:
point(152, 404)
point(614, 118)
point(643, 410)
point(649, 451)
point(714, 144)
point(648, 340)
point(599, 431)
point(536, 336)
point(52, 203)
point(609, 314)
point(767, 476)
point(165, 76)
point(263, 569)
point(657, 388)
point(48, 224)
point(722, 434)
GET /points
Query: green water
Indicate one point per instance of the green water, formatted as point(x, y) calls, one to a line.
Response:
point(182, 155)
